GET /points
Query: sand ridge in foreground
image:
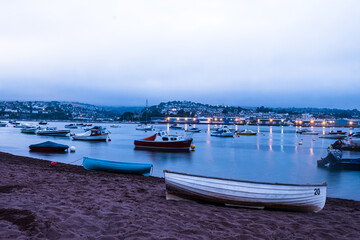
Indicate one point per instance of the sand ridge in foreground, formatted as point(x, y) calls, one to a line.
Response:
point(38, 201)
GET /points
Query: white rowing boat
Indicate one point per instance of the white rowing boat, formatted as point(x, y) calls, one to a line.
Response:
point(293, 197)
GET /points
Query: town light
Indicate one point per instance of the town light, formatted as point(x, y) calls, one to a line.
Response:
point(168, 119)
point(194, 119)
point(186, 119)
point(221, 119)
point(209, 119)
point(323, 123)
point(312, 121)
point(351, 122)
point(178, 119)
point(258, 120)
point(215, 119)
point(271, 120)
point(236, 119)
point(300, 122)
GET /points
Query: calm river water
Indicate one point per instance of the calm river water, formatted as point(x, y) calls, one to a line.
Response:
point(274, 155)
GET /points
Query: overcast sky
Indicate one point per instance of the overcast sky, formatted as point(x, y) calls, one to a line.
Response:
point(247, 53)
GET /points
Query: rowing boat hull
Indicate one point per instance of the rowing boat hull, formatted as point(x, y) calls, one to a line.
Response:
point(118, 167)
point(160, 145)
point(308, 198)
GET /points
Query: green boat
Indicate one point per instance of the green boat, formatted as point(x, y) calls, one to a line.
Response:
point(94, 164)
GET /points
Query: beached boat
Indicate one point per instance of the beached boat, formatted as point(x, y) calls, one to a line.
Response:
point(144, 127)
point(292, 197)
point(52, 131)
point(3, 124)
point(246, 132)
point(94, 164)
point(71, 125)
point(91, 135)
point(223, 132)
point(335, 160)
point(49, 146)
point(163, 141)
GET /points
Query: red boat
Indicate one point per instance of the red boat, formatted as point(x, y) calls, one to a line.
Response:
point(163, 141)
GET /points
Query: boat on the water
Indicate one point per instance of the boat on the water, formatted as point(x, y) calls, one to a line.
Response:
point(115, 126)
point(163, 141)
point(333, 136)
point(246, 132)
point(144, 127)
point(291, 197)
point(337, 132)
point(310, 133)
point(176, 126)
point(3, 124)
point(94, 164)
point(335, 160)
point(193, 129)
point(302, 131)
point(29, 130)
point(223, 132)
point(52, 131)
point(48, 146)
point(91, 135)
point(43, 122)
point(71, 125)
point(355, 135)
point(353, 145)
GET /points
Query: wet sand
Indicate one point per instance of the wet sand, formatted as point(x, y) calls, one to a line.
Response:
point(38, 201)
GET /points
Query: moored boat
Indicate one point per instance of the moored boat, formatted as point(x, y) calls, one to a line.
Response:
point(94, 164)
point(3, 124)
point(310, 133)
point(144, 127)
point(115, 126)
point(193, 129)
point(48, 146)
point(335, 160)
point(337, 132)
point(292, 197)
point(53, 132)
point(71, 125)
point(163, 141)
point(176, 126)
point(43, 122)
point(223, 132)
point(333, 136)
point(91, 135)
point(29, 130)
point(246, 132)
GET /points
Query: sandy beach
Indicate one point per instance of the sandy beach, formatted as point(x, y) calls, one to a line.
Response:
point(38, 201)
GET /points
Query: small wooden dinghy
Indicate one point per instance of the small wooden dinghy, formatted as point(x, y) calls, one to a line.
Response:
point(94, 164)
point(48, 146)
point(292, 197)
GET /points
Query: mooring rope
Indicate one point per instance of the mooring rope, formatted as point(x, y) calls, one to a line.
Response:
point(75, 160)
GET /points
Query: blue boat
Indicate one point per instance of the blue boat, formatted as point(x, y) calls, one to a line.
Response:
point(94, 164)
point(48, 146)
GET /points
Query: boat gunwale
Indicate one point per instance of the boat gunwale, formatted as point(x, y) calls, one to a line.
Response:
point(235, 180)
